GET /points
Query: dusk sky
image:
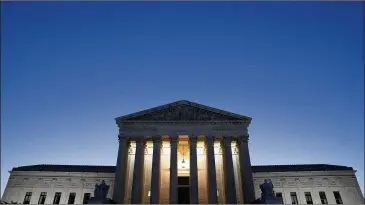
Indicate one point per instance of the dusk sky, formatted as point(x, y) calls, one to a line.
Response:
point(70, 68)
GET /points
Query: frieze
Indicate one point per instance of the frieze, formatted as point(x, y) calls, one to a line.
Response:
point(74, 185)
point(89, 185)
point(31, 183)
point(290, 182)
point(151, 128)
point(334, 181)
point(348, 182)
point(59, 184)
point(321, 182)
point(17, 183)
point(277, 183)
point(43, 184)
point(308, 182)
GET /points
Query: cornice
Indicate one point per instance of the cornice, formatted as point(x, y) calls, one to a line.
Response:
point(233, 122)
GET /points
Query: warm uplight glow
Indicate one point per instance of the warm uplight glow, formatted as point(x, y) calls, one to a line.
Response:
point(133, 147)
point(200, 150)
point(149, 193)
point(233, 147)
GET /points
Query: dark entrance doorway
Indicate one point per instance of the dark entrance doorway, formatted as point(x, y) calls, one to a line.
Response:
point(183, 190)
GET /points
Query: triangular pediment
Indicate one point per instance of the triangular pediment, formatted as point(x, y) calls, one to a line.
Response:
point(183, 111)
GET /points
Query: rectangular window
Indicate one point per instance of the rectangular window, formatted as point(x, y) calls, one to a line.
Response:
point(27, 198)
point(86, 198)
point(42, 198)
point(57, 198)
point(338, 197)
point(280, 196)
point(294, 198)
point(308, 197)
point(323, 197)
point(71, 198)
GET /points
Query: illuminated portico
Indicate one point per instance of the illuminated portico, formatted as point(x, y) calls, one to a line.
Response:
point(160, 147)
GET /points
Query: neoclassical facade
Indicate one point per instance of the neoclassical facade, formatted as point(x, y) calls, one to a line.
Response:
point(181, 141)
point(183, 152)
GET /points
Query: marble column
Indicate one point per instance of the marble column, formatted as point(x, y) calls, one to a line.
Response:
point(229, 180)
point(194, 196)
point(173, 169)
point(156, 170)
point(120, 173)
point(212, 176)
point(246, 171)
point(137, 187)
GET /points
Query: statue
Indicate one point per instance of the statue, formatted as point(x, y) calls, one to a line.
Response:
point(268, 194)
point(100, 193)
point(267, 189)
point(101, 190)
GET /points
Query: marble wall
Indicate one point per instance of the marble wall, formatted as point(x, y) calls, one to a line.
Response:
point(21, 182)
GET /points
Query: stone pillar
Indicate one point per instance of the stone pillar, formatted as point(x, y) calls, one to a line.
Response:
point(212, 177)
point(229, 180)
point(246, 171)
point(156, 170)
point(173, 169)
point(137, 187)
point(194, 196)
point(120, 173)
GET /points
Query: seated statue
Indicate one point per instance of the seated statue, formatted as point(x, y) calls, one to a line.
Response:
point(101, 190)
point(267, 189)
point(268, 194)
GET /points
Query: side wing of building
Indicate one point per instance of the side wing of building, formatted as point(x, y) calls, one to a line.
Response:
point(56, 183)
point(311, 184)
point(64, 184)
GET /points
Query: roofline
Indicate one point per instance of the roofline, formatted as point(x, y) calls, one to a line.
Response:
point(110, 168)
point(182, 102)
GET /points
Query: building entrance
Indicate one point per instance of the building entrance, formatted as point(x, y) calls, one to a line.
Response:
point(183, 190)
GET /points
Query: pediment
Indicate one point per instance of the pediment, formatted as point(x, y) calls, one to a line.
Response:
point(183, 111)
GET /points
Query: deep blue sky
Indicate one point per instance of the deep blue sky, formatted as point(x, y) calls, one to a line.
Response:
point(70, 68)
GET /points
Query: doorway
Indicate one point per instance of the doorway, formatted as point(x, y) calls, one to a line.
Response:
point(183, 190)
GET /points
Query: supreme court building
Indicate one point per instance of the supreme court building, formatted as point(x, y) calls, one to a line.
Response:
point(183, 152)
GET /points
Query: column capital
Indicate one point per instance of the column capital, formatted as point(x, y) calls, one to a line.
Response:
point(193, 139)
point(140, 139)
point(227, 139)
point(173, 138)
point(210, 138)
point(122, 137)
point(242, 139)
point(157, 138)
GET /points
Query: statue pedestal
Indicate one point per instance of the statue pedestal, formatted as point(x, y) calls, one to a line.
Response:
point(271, 200)
point(94, 200)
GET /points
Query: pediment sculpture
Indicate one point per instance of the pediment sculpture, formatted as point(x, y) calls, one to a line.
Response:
point(183, 113)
